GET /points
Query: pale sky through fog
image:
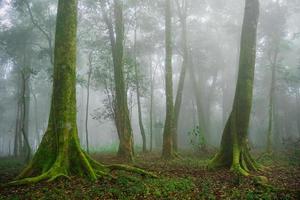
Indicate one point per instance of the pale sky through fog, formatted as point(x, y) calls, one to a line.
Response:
point(4, 6)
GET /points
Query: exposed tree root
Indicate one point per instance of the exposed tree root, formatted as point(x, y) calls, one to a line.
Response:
point(88, 168)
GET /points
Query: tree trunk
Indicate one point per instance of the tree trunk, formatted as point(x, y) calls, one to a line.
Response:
point(271, 103)
point(298, 111)
point(234, 151)
point(122, 119)
point(151, 107)
point(167, 151)
point(137, 83)
point(36, 118)
point(122, 113)
point(17, 143)
point(25, 116)
point(87, 104)
point(178, 100)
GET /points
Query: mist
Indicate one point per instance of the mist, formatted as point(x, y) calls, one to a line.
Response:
point(178, 77)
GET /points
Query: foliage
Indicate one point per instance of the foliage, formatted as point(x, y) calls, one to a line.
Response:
point(197, 139)
point(292, 151)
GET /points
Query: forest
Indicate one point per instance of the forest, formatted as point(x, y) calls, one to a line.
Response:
point(149, 99)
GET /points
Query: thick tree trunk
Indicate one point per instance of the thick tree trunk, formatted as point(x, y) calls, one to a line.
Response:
point(59, 153)
point(178, 100)
point(234, 151)
point(167, 151)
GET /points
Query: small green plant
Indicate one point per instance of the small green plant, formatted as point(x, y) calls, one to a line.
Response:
point(197, 138)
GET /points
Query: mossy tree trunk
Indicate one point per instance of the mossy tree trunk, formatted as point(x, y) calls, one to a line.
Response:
point(122, 120)
point(234, 152)
point(167, 150)
point(59, 153)
point(182, 11)
point(122, 112)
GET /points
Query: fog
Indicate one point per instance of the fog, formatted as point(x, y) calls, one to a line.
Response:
point(27, 33)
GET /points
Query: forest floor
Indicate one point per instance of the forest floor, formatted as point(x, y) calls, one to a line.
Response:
point(184, 178)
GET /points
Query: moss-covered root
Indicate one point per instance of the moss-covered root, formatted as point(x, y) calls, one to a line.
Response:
point(131, 169)
point(50, 175)
point(55, 173)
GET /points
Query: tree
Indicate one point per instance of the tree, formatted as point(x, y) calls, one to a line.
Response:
point(167, 151)
point(182, 10)
point(137, 83)
point(274, 22)
point(234, 151)
point(116, 35)
point(59, 153)
point(88, 103)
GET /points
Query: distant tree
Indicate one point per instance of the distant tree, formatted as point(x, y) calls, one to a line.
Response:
point(182, 12)
point(234, 150)
point(274, 22)
point(137, 84)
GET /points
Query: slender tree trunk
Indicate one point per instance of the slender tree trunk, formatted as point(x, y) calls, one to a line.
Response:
point(25, 116)
point(178, 100)
point(17, 129)
point(167, 151)
point(137, 83)
point(234, 151)
point(271, 104)
point(151, 106)
point(298, 111)
point(87, 105)
point(36, 118)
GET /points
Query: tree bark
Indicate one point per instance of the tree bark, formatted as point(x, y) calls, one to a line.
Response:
point(234, 152)
point(167, 151)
